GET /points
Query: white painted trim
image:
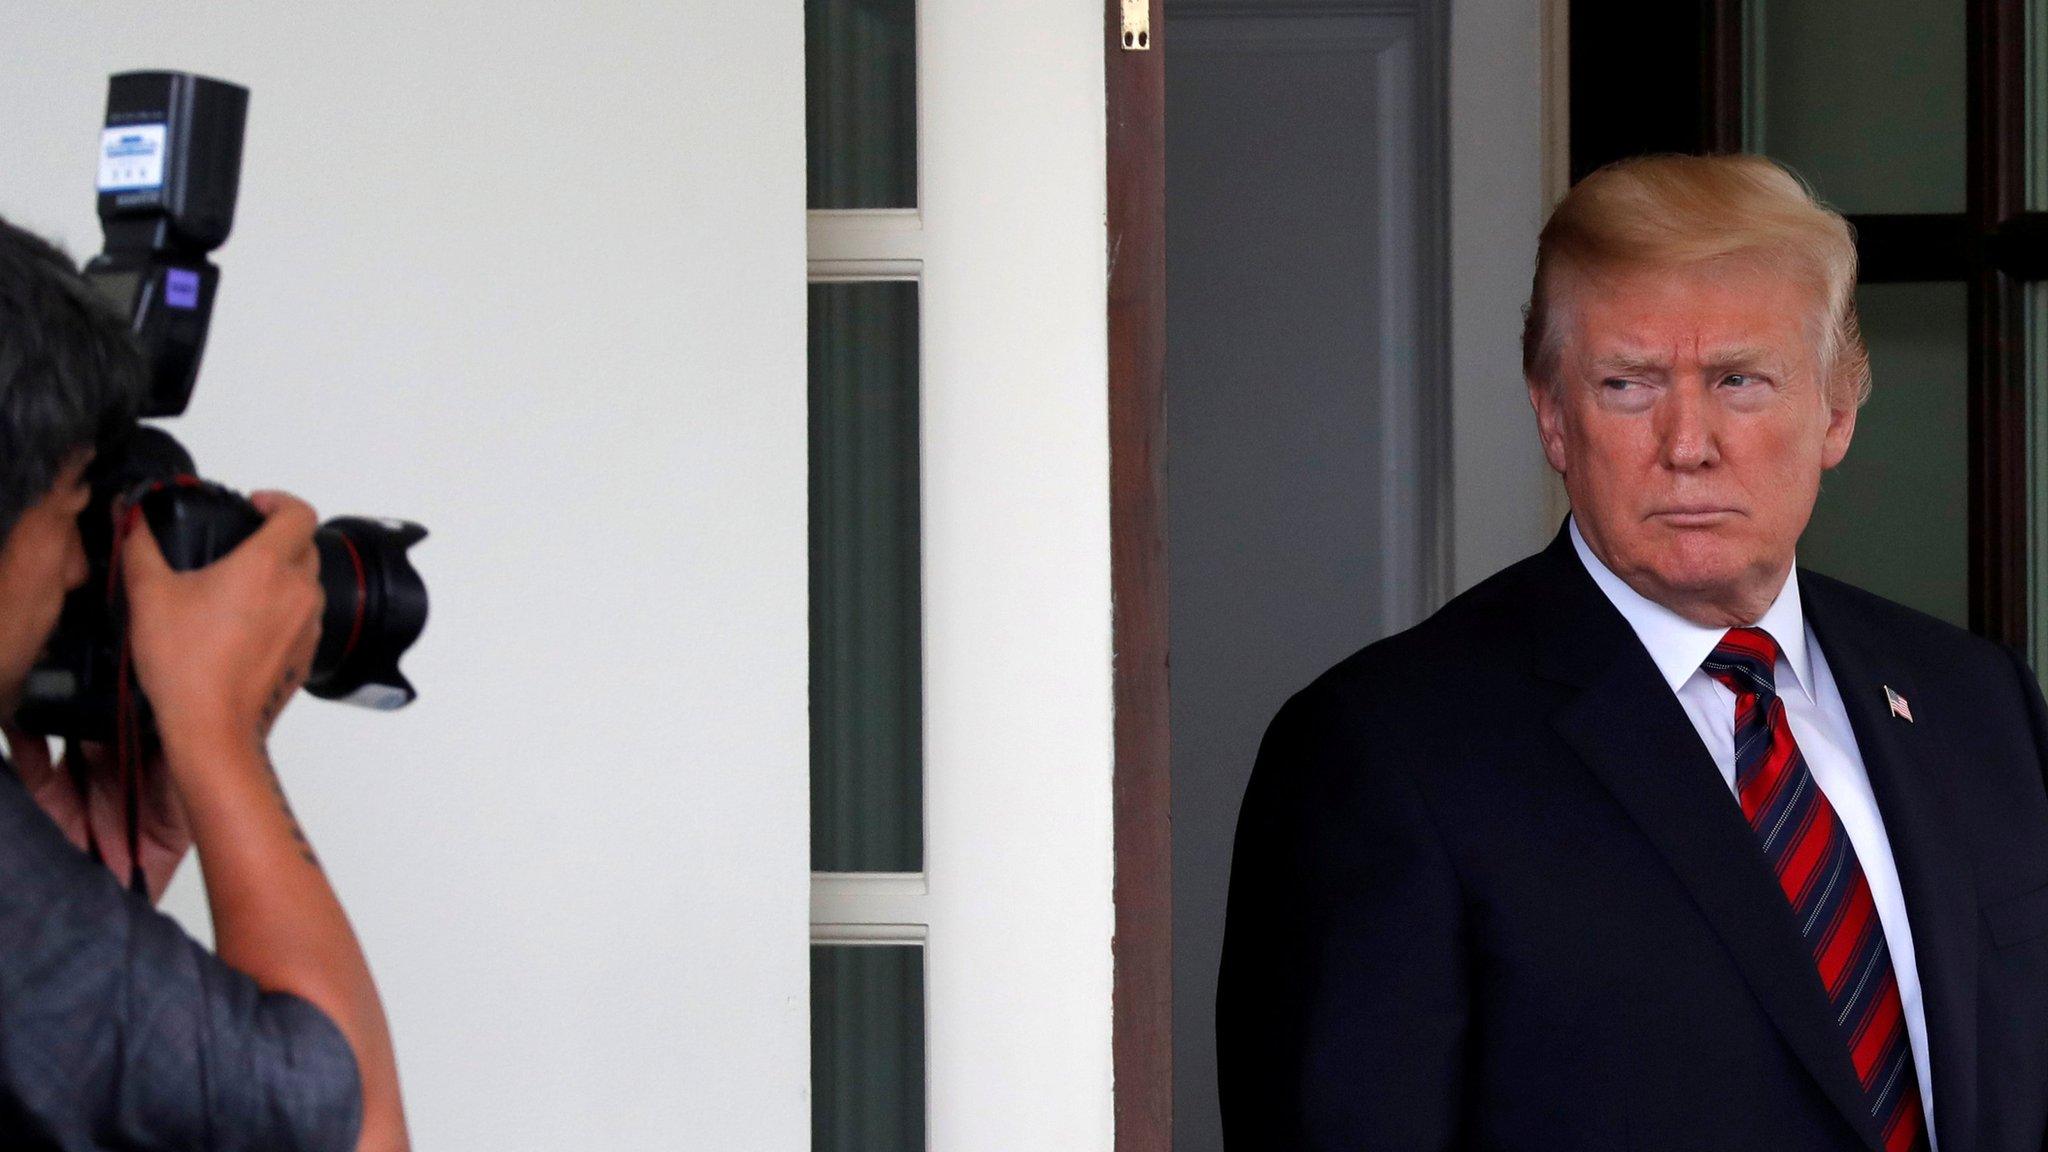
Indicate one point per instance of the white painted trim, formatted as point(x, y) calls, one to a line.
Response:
point(865, 234)
point(875, 933)
point(844, 901)
point(855, 270)
point(833, 885)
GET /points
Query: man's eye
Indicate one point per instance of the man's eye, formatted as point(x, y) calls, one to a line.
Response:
point(1617, 384)
point(1738, 379)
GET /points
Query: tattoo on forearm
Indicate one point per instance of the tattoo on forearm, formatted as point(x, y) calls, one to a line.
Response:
point(280, 696)
point(298, 834)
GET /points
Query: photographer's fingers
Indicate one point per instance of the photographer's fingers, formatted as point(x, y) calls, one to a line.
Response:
point(304, 602)
point(289, 517)
point(31, 756)
point(46, 782)
point(142, 561)
point(288, 523)
point(275, 503)
point(269, 500)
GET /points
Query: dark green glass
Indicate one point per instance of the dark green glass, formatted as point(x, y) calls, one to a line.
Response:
point(867, 1048)
point(867, 715)
point(2037, 104)
point(860, 103)
point(1894, 517)
point(1865, 100)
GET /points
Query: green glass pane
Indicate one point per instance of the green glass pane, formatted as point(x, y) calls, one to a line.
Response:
point(1866, 101)
point(2037, 104)
point(1893, 518)
point(867, 778)
point(867, 1048)
point(860, 103)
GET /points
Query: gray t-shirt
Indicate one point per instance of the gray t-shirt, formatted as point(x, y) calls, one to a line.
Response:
point(117, 1030)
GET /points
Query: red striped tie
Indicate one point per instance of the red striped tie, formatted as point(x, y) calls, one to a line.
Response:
point(1816, 866)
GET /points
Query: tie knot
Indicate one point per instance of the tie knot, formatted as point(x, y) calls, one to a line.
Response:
point(1745, 661)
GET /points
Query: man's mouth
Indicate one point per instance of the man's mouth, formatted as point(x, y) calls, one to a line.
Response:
point(1694, 515)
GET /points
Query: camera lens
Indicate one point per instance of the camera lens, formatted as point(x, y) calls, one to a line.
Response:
point(376, 608)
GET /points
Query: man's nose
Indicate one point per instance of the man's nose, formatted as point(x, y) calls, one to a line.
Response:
point(1689, 431)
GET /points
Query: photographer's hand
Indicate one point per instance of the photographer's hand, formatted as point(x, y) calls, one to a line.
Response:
point(220, 651)
point(226, 646)
point(165, 834)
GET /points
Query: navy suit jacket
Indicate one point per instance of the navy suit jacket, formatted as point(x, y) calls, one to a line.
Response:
point(1491, 892)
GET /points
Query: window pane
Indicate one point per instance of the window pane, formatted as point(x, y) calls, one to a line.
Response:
point(867, 1048)
point(1894, 517)
point(1866, 101)
point(867, 809)
point(860, 103)
point(2037, 104)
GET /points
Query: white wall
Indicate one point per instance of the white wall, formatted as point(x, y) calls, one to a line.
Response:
point(533, 275)
point(1019, 740)
point(1501, 507)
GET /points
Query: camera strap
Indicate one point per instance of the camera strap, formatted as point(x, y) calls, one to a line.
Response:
point(129, 749)
point(80, 772)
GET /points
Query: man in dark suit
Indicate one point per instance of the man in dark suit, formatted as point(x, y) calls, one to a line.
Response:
point(1653, 840)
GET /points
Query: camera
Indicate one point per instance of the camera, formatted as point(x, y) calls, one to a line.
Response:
point(169, 169)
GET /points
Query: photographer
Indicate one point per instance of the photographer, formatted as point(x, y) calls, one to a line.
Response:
point(116, 1028)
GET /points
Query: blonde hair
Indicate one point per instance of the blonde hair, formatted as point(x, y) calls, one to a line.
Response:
point(1673, 211)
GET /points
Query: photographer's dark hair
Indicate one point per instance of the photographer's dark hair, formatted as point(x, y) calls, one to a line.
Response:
point(71, 376)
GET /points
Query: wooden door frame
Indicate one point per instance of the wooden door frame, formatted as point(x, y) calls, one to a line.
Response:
point(1142, 1012)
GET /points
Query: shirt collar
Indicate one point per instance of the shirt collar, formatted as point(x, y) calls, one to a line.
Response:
point(1679, 646)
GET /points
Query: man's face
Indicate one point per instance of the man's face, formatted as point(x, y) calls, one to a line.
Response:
point(41, 561)
point(1691, 425)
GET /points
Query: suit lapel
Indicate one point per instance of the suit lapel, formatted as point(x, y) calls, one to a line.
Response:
point(1906, 768)
point(1634, 736)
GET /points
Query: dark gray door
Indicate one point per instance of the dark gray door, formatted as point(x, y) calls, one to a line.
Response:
point(1305, 402)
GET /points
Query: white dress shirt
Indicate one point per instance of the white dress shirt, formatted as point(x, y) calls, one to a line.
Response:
point(1820, 725)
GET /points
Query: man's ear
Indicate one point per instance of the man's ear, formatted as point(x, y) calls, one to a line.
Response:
point(1549, 406)
point(1841, 429)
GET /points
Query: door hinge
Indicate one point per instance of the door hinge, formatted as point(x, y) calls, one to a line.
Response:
point(1137, 25)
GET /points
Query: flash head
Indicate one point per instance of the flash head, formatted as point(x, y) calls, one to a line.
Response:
point(170, 165)
point(170, 161)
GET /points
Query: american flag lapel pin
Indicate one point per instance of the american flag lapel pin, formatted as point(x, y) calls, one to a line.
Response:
point(1900, 708)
